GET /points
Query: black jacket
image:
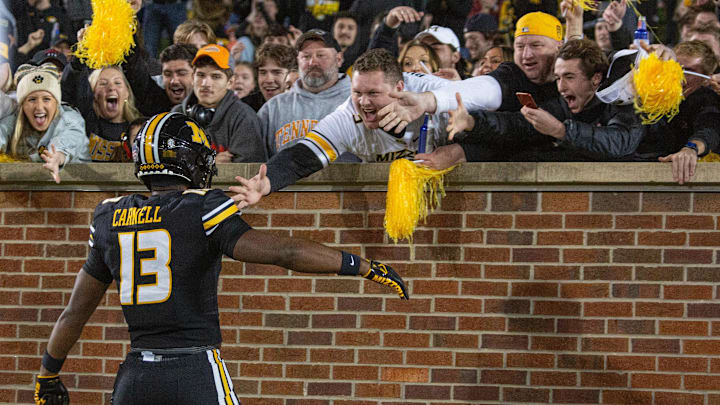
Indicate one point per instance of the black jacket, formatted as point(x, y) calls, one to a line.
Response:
point(150, 98)
point(698, 119)
point(600, 132)
point(511, 80)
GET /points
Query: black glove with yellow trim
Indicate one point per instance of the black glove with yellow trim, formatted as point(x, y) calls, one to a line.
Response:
point(384, 274)
point(49, 390)
point(378, 272)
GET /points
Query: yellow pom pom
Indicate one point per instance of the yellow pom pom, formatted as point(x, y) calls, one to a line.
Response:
point(411, 189)
point(710, 157)
point(658, 89)
point(110, 37)
point(5, 158)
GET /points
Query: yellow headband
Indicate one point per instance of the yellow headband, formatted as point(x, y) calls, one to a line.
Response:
point(539, 23)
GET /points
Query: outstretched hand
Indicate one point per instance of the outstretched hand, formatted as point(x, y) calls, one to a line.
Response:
point(460, 120)
point(249, 192)
point(53, 160)
point(406, 108)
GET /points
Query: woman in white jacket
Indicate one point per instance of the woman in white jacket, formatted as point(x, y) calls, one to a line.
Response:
point(40, 128)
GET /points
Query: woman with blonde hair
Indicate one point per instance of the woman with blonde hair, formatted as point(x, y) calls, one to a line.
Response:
point(40, 128)
point(415, 54)
point(102, 82)
point(107, 103)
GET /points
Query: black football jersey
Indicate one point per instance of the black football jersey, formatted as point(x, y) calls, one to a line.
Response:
point(164, 253)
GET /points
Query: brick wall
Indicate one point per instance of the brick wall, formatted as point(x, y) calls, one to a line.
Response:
point(549, 297)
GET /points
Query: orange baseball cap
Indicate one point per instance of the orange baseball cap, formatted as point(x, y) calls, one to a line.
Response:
point(218, 53)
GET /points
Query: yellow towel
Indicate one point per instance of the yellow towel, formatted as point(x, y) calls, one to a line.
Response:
point(110, 37)
point(658, 89)
point(411, 190)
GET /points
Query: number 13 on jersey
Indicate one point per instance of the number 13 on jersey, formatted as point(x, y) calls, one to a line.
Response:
point(158, 242)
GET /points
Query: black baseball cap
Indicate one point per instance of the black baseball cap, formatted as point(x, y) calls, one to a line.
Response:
point(49, 55)
point(317, 35)
point(481, 22)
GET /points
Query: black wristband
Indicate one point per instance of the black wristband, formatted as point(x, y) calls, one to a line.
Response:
point(350, 264)
point(51, 364)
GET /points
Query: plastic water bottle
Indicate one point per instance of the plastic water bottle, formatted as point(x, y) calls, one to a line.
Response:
point(641, 33)
point(432, 135)
point(422, 140)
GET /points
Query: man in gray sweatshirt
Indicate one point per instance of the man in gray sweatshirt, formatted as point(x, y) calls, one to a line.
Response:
point(288, 117)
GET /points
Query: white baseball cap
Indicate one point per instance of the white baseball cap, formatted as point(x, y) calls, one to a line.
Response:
point(442, 34)
point(618, 86)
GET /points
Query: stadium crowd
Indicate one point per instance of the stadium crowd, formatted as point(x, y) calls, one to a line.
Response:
point(301, 84)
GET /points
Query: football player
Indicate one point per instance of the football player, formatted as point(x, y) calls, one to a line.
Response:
point(164, 251)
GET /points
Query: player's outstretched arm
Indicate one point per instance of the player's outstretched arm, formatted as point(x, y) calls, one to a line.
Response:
point(305, 256)
point(86, 295)
point(285, 168)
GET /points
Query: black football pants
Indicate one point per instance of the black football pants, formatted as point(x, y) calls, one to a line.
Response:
point(184, 379)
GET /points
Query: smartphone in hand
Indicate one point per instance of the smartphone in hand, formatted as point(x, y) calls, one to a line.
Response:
point(526, 99)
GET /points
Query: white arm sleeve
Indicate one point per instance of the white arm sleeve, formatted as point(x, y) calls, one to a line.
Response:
point(477, 93)
point(420, 82)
